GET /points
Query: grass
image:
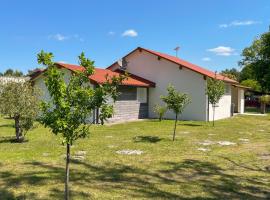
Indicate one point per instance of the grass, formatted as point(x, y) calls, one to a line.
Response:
point(255, 110)
point(166, 169)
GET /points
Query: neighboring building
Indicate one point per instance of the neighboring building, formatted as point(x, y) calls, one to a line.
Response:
point(7, 79)
point(150, 74)
point(130, 105)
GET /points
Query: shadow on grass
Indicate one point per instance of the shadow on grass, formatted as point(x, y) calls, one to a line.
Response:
point(7, 126)
point(192, 125)
point(257, 167)
point(185, 177)
point(11, 139)
point(148, 139)
point(7, 139)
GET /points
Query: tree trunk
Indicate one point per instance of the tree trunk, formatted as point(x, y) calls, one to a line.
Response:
point(263, 108)
point(67, 173)
point(175, 123)
point(214, 108)
point(18, 131)
point(160, 118)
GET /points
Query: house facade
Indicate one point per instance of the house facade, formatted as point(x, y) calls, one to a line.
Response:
point(150, 74)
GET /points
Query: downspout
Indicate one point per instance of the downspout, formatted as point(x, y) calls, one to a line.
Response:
point(207, 117)
point(147, 98)
point(207, 108)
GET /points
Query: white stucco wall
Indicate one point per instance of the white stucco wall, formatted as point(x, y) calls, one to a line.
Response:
point(238, 98)
point(163, 73)
point(223, 109)
point(241, 97)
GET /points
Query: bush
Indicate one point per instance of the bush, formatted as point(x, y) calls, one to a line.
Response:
point(160, 111)
point(264, 100)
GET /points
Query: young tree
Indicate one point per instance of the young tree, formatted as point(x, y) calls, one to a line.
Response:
point(175, 101)
point(160, 111)
point(19, 101)
point(215, 90)
point(72, 102)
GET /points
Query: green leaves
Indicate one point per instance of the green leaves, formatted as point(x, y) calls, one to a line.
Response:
point(176, 101)
point(20, 100)
point(256, 58)
point(87, 64)
point(45, 58)
point(265, 99)
point(73, 101)
point(106, 111)
point(160, 111)
point(215, 90)
point(253, 84)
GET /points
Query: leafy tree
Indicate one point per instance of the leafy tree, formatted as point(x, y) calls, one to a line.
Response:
point(11, 72)
point(264, 100)
point(257, 58)
point(8, 72)
point(175, 101)
point(160, 111)
point(247, 73)
point(253, 84)
point(215, 90)
point(71, 103)
point(19, 101)
point(231, 73)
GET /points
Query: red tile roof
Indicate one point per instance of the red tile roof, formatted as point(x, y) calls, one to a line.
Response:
point(99, 77)
point(183, 63)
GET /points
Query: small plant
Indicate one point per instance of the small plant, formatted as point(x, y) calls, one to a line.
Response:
point(160, 111)
point(176, 101)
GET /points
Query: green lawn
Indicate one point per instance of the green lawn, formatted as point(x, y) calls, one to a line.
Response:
point(256, 110)
point(165, 170)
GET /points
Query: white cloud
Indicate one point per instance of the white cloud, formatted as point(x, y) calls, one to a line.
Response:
point(239, 23)
point(130, 33)
point(206, 59)
point(223, 51)
point(61, 37)
point(77, 37)
point(111, 33)
point(61, 61)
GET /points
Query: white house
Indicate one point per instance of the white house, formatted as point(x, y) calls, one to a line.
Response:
point(150, 74)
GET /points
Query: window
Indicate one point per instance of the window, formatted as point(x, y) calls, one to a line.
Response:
point(142, 95)
point(227, 89)
point(127, 93)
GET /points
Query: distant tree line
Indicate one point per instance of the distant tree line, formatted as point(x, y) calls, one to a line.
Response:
point(255, 65)
point(11, 72)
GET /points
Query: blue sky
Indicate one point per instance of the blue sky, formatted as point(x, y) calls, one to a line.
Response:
point(210, 33)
